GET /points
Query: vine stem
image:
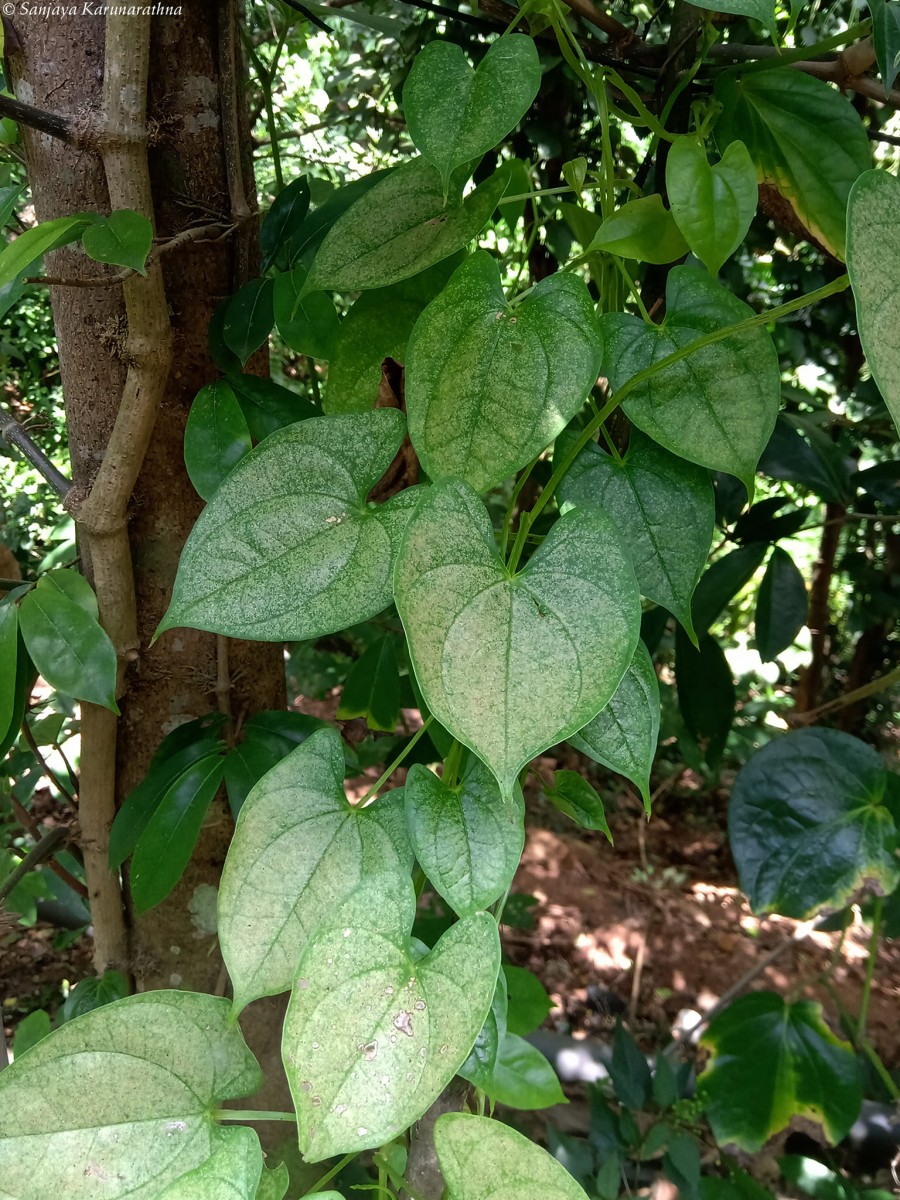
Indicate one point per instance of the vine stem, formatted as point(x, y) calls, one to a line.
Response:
point(382, 780)
point(330, 1174)
point(251, 1114)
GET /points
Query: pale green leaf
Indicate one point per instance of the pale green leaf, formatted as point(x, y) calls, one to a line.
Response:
point(68, 646)
point(118, 1103)
point(123, 239)
point(716, 408)
point(489, 384)
point(643, 229)
point(216, 437)
point(467, 840)
point(299, 849)
point(288, 548)
point(805, 139)
point(400, 227)
point(26, 248)
point(712, 205)
point(665, 508)
point(482, 1159)
point(623, 735)
point(274, 1183)
point(232, 1172)
point(512, 664)
point(455, 114)
point(873, 262)
point(373, 1034)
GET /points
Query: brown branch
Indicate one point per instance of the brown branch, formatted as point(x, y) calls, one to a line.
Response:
point(819, 598)
point(57, 126)
point(14, 434)
point(614, 30)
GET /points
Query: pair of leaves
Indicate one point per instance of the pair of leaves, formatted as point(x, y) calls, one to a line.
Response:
point(120, 1100)
point(808, 827)
point(307, 321)
point(717, 406)
point(712, 205)
point(511, 664)
point(288, 549)
point(122, 239)
point(490, 384)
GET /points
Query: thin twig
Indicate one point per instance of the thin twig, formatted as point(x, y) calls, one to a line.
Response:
point(882, 684)
point(27, 821)
point(13, 433)
point(614, 30)
point(45, 766)
point(44, 849)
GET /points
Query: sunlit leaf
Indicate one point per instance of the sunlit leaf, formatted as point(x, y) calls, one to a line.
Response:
point(712, 205)
point(123, 238)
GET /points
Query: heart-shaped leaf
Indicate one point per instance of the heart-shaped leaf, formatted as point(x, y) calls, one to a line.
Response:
point(299, 849)
point(873, 262)
point(400, 227)
point(805, 139)
point(486, 1160)
point(512, 664)
point(373, 1033)
point(623, 735)
point(716, 408)
point(713, 205)
point(455, 114)
point(468, 842)
point(118, 1102)
point(489, 384)
point(772, 1061)
point(232, 1172)
point(664, 507)
point(807, 825)
point(216, 437)
point(288, 548)
point(123, 238)
point(643, 229)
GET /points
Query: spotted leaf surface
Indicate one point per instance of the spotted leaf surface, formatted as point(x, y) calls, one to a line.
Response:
point(232, 1172)
point(512, 664)
point(373, 1034)
point(118, 1102)
point(467, 840)
point(717, 407)
point(483, 1159)
point(288, 548)
point(489, 384)
point(299, 849)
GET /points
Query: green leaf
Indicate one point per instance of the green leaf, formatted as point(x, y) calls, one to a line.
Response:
point(288, 548)
point(772, 1061)
point(706, 696)
point(281, 233)
point(165, 847)
point(886, 36)
point(468, 842)
point(573, 795)
point(307, 321)
point(805, 139)
point(629, 1071)
point(758, 10)
point(479, 1066)
point(378, 327)
point(400, 227)
point(807, 825)
point(123, 239)
point(319, 222)
point(274, 1183)
point(715, 408)
point(723, 580)
point(232, 1172)
point(121, 1099)
point(527, 1001)
point(9, 197)
point(372, 689)
point(665, 1083)
point(681, 1164)
point(265, 743)
point(24, 681)
point(522, 1077)
point(299, 849)
point(68, 646)
point(664, 507)
point(216, 437)
point(9, 641)
point(781, 606)
point(489, 384)
point(248, 318)
point(455, 114)
point(712, 205)
point(373, 1034)
point(623, 735)
point(643, 229)
point(485, 1160)
point(481, 640)
point(73, 585)
point(31, 1030)
point(18, 255)
point(873, 262)
point(267, 406)
point(94, 993)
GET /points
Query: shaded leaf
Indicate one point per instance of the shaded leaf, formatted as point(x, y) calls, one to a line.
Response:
point(706, 696)
point(9, 641)
point(571, 793)
point(216, 437)
point(372, 689)
point(886, 37)
point(479, 1066)
point(281, 232)
point(723, 580)
point(781, 606)
point(31, 1030)
point(248, 318)
point(267, 406)
point(527, 1001)
point(93, 993)
point(307, 321)
point(629, 1071)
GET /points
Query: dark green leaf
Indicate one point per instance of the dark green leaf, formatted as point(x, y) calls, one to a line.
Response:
point(372, 689)
point(307, 322)
point(722, 582)
point(643, 229)
point(886, 36)
point(281, 230)
point(804, 137)
point(226, 360)
point(528, 1002)
point(807, 824)
point(267, 406)
point(24, 682)
point(248, 318)
point(9, 641)
point(245, 765)
point(771, 1062)
point(761, 524)
point(75, 587)
point(781, 606)
point(706, 697)
point(319, 222)
point(216, 437)
point(8, 199)
point(522, 1077)
point(629, 1071)
point(123, 239)
point(94, 993)
point(664, 508)
point(573, 795)
point(665, 1084)
point(681, 1164)
point(716, 407)
point(882, 483)
point(713, 205)
point(68, 646)
point(165, 847)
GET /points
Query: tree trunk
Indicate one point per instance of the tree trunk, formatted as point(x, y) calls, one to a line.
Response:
point(58, 65)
